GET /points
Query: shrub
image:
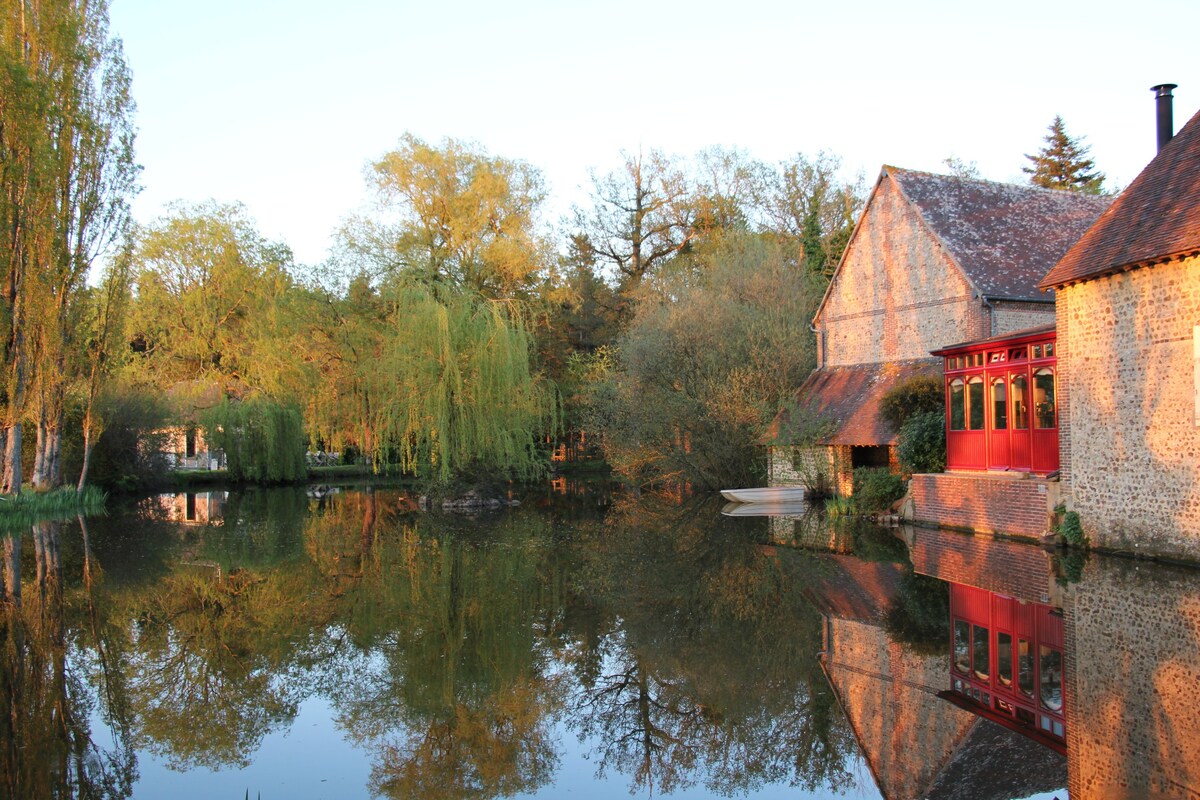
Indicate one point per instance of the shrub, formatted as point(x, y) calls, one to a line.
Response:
point(876, 488)
point(1072, 529)
point(920, 395)
point(922, 446)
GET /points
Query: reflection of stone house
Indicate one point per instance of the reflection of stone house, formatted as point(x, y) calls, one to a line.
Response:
point(200, 508)
point(933, 260)
point(1128, 303)
point(916, 744)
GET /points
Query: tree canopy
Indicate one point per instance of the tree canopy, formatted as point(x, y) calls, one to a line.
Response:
point(1063, 163)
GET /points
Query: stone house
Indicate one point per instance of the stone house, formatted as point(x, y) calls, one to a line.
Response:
point(933, 260)
point(183, 443)
point(1128, 329)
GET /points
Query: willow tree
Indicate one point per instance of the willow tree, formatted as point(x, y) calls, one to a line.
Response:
point(455, 390)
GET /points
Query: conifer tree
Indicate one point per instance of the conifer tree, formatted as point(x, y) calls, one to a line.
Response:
point(1063, 163)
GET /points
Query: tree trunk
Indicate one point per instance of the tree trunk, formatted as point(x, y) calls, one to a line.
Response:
point(12, 462)
point(38, 478)
point(87, 460)
point(54, 454)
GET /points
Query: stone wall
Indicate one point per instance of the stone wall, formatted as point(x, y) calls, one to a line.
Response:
point(1130, 444)
point(1010, 503)
point(1008, 317)
point(896, 296)
point(809, 466)
point(1132, 674)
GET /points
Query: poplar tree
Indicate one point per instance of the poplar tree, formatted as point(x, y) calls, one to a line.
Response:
point(66, 146)
point(1063, 163)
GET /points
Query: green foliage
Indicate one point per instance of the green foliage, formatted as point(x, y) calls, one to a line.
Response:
point(920, 616)
point(129, 451)
point(455, 392)
point(922, 446)
point(263, 441)
point(708, 359)
point(876, 488)
point(1072, 529)
point(919, 395)
point(1063, 163)
point(839, 506)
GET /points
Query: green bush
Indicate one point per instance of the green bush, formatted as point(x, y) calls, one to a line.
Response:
point(876, 488)
point(1072, 529)
point(923, 394)
point(922, 446)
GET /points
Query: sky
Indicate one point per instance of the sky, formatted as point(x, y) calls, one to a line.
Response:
point(281, 105)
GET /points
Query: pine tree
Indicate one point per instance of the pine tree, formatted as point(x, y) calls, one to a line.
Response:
point(1063, 163)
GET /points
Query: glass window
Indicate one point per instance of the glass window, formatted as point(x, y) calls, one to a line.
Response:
point(999, 405)
point(1024, 668)
point(1037, 351)
point(958, 414)
point(1043, 399)
point(1004, 666)
point(1020, 400)
point(962, 646)
point(1050, 350)
point(975, 403)
point(980, 663)
point(1050, 670)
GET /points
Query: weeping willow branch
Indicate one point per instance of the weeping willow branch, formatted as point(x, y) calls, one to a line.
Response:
point(455, 389)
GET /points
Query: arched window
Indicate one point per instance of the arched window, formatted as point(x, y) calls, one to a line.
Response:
point(1044, 415)
point(958, 406)
point(975, 403)
point(1020, 402)
point(999, 405)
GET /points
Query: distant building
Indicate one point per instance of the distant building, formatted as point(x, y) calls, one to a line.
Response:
point(1128, 320)
point(933, 260)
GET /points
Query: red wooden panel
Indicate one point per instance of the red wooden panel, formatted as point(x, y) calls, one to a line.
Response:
point(1002, 612)
point(969, 603)
point(1050, 627)
point(1044, 457)
point(1019, 450)
point(1023, 616)
point(999, 456)
point(966, 450)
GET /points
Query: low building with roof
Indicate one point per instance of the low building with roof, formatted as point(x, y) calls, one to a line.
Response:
point(934, 259)
point(1128, 331)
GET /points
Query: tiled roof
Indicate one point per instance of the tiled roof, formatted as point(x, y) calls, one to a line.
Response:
point(1004, 237)
point(995, 763)
point(1156, 217)
point(847, 398)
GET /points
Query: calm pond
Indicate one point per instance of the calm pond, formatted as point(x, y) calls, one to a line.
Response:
point(276, 644)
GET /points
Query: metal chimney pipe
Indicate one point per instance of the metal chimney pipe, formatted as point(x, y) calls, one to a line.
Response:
point(1166, 122)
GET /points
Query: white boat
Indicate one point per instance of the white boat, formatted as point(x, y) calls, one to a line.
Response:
point(790, 508)
point(769, 494)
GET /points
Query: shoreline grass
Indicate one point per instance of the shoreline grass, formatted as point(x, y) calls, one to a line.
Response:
point(64, 503)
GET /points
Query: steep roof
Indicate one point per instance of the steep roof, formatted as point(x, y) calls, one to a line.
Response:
point(1157, 217)
point(1002, 236)
point(846, 399)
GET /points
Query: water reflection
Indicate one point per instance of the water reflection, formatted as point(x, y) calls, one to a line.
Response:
point(681, 649)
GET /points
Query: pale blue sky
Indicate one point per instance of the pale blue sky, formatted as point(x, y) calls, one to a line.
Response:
point(279, 105)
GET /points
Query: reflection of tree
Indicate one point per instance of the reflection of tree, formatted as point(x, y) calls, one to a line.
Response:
point(450, 688)
point(205, 687)
point(45, 705)
point(715, 676)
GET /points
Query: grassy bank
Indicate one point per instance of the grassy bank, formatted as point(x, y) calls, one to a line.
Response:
point(29, 506)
